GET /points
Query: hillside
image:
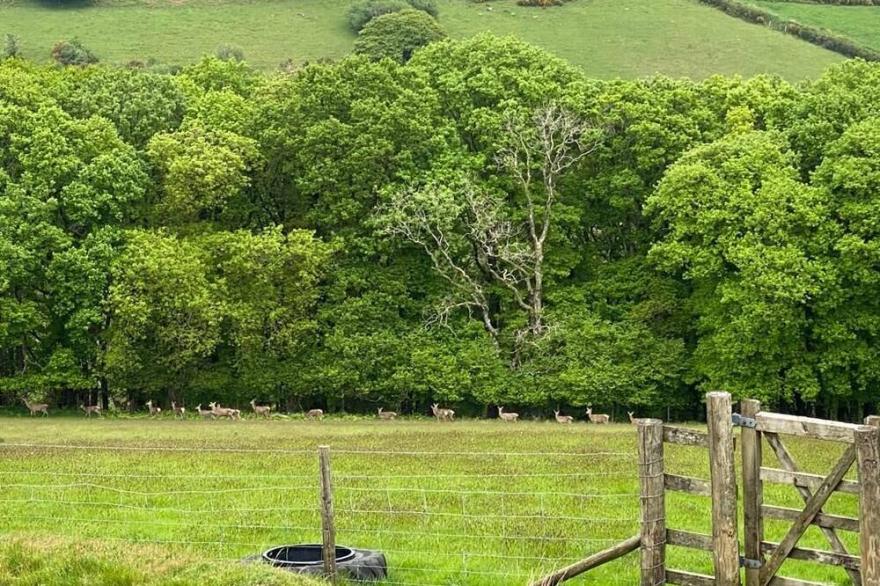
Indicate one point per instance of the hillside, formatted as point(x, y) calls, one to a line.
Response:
point(607, 38)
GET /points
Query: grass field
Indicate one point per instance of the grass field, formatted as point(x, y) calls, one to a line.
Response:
point(859, 23)
point(607, 38)
point(468, 503)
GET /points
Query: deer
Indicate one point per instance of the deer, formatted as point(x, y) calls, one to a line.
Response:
point(509, 417)
point(226, 412)
point(386, 415)
point(261, 410)
point(89, 409)
point(632, 418)
point(154, 411)
point(35, 408)
point(179, 411)
point(205, 414)
point(315, 414)
point(597, 418)
point(564, 419)
point(442, 414)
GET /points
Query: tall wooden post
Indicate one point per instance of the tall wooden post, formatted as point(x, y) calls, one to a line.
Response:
point(868, 457)
point(653, 502)
point(753, 493)
point(723, 475)
point(328, 528)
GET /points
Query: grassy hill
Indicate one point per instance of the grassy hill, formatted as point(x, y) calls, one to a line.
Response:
point(859, 23)
point(608, 38)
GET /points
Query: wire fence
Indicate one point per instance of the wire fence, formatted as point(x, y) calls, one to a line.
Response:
point(445, 517)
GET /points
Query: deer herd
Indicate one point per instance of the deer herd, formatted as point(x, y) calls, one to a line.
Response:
point(216, 411)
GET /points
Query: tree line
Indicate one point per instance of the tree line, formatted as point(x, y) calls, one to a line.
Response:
point(483, 224)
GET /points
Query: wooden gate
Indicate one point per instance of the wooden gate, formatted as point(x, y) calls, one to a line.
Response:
point(763, 559)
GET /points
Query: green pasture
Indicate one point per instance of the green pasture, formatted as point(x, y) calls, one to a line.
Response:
point(465, 503)
point(859, 23)
point(607, 38)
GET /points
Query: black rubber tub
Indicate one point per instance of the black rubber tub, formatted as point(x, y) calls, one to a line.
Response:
point(355, 564)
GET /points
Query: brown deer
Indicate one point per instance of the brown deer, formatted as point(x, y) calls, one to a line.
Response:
point(205, 414)
point(442, 414)
point(179, 410)
point(386, 415)
point(315, 414)
point(632, 418)
point(89, 409)
point(261, 410)
point(154, 411)
point(226, 412)
point(565, 419)
point(597, 418)
point(509, 417)
point(35, 408)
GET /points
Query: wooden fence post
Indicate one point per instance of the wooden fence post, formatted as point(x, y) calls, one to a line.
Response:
point(724, 503)
point(868, 457)
point(753, 493)
point(653, 502)
point(328, 528)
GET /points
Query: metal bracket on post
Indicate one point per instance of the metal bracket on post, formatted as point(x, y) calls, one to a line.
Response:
point(745, 562)
point(741, 421)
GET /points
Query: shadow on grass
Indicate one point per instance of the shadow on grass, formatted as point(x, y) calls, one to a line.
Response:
point(65, 4)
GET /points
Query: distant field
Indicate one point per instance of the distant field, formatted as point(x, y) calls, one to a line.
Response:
point(607, 38)
point(859, 23)
point(471, 503)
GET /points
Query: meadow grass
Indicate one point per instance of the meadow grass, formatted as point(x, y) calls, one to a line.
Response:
point(859, 23)
point(606, 38)
point(467, 503)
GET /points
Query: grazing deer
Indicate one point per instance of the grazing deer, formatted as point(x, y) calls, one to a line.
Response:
point(89, 409)
point(205, 414)
point(261, 410)
point(563, 418)
point(386, 415)
point(597, 418)
point(510, 417)
point(315, 414)
point(442, 414)
point(632, 418)
point(154, 411)
point(226, 412)
point(179, 411)
point(35, 408)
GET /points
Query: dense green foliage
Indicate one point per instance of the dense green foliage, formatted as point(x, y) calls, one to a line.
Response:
point(480, 225)
point(397, 35)
point(363, 12)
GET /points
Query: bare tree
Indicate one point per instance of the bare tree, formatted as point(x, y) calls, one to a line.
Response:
point(474, 238)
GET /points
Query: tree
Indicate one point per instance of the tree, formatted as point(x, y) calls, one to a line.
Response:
point(478, 239)
point(397, 35)
point(753, 242)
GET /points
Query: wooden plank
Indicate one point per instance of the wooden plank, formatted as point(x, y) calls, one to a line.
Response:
point(868, 449)
point(688, 578)
point(594, 561)
point(685, 437)
point(688, 539)
point(687, 484)
point(787, 461)
point(814, 555)
point(804, 480)
point(328, 528)
point(783, 581)
point(821, 520)
point(806, 427)
point(653, 503)
point(753, 492)
point(811, 509)
point(722, 469)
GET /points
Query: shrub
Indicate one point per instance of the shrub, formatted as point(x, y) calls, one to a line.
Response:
point(360, 13)
point(229, 53)
point(397, 35)
point(72, 52)
point(11, 47)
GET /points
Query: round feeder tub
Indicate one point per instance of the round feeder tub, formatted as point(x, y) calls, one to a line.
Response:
point(355, 564)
